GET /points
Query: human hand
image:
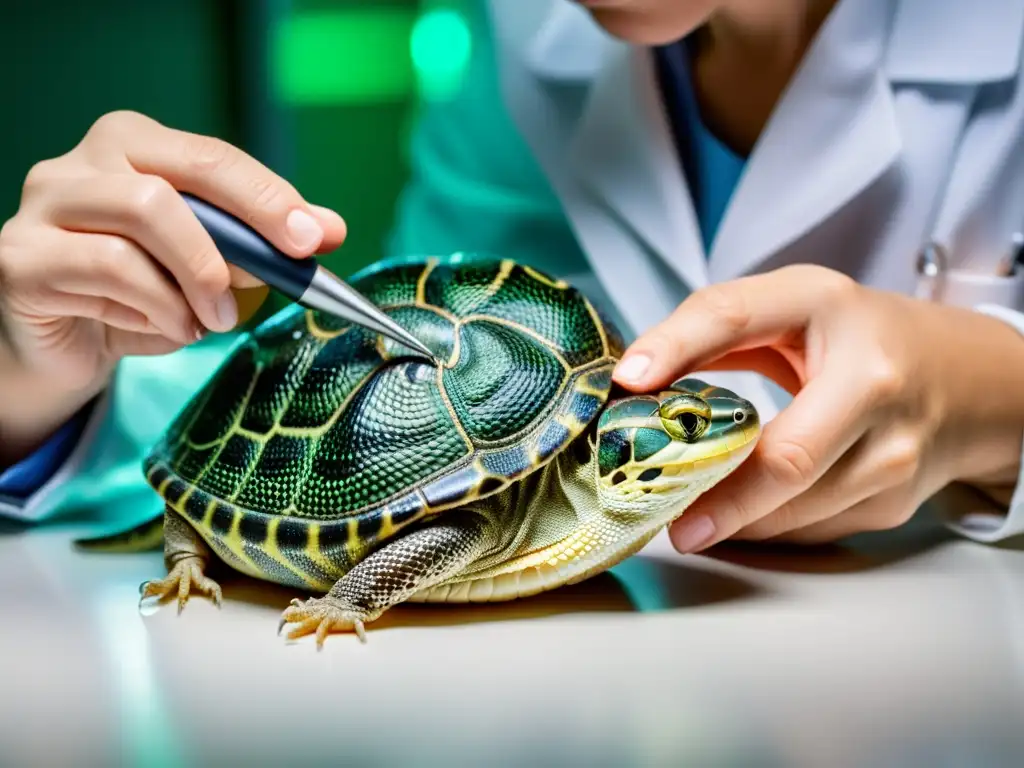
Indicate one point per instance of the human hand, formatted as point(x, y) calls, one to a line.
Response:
point(105, 259)
point(894, 399)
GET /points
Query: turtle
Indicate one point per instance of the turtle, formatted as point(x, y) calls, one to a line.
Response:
point(325, 457)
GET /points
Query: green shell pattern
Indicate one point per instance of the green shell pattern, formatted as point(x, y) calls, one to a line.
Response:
point(314, 428)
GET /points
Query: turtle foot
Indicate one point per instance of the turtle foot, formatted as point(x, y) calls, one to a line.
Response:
point(186, 575)
point(322, 615)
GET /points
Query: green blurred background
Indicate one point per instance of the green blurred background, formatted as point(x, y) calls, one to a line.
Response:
point(322, 91)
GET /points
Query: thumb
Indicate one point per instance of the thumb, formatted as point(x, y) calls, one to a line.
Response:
point(783, 366)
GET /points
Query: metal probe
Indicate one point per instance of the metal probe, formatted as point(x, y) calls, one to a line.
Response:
point(304, 281)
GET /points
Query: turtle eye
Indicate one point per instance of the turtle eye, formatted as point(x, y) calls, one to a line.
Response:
point(685, 417)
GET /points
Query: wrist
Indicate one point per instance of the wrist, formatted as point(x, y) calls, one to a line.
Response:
point(985, 424)
point(34, 405)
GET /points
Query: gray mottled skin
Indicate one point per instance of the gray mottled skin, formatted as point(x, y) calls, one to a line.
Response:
point(418, 560)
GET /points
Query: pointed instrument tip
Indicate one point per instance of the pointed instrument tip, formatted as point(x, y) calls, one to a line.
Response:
point(329, 293)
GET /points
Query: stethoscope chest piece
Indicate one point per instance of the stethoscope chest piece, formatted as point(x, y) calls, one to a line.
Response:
point(931, 266)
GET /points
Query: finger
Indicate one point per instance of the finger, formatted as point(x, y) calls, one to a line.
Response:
point(122, 343)
point(224, 176)
point(870, 467)
point(148, 211)
point(796, 449)
point(878, 513)
point(881, 461)
point(98, 308)
point(111, 267)
point(742, 314)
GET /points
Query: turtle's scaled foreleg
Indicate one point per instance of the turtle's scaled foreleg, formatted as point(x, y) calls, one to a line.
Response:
point(186, 556)
point(420, 559)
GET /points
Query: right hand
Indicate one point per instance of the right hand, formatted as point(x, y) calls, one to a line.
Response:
point(105, 259)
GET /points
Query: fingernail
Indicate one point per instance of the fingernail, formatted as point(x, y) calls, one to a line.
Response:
point(691, 535)
point(632, 368)
point(304, 230)
point(227, 311)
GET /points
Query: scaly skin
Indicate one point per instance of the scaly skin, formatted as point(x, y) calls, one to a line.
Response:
point(584, 513)
point(323, 457)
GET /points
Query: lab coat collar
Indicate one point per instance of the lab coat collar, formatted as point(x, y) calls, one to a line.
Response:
point(622, 148)
point(985, 47)
point(833, 132)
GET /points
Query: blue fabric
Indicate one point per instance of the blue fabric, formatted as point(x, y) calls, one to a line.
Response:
point(712, 169)
point(26, 477)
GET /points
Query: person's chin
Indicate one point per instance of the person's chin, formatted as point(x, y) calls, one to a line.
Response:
point(634, 26)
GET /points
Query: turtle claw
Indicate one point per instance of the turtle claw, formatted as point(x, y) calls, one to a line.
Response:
point(321, 615)
point(183, 577)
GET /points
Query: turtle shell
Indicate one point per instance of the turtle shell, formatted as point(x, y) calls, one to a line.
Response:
point(312, 418)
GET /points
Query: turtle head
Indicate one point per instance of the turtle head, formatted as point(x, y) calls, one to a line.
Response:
point(659, 452)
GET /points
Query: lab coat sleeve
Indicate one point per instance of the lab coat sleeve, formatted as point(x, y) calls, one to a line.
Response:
point(27, 476)
point(101, 482)
point(971, 513)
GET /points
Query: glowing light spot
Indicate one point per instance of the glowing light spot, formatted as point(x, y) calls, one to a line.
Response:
point(343, 56)
point(440, 47)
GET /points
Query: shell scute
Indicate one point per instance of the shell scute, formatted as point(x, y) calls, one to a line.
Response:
point(314, 423)
point(518, 294)
point(502, 382)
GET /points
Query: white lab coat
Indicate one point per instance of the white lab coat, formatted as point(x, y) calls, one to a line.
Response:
point(904, 125)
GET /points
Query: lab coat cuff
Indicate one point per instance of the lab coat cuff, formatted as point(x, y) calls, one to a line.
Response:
point(970, 512)
point(40, 504)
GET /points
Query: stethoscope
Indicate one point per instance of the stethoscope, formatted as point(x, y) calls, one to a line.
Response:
point(937, 282)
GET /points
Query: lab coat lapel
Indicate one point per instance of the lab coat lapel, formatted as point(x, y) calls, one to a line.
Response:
point(618, 146)
point(834, 132)
point(623, 151)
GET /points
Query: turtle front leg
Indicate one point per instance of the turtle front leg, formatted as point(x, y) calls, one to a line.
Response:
point(186, 556)
point(418, 560)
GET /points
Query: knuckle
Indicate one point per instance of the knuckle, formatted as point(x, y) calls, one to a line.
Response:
point(885, 379)
point(901, 461)
point(209, 272)
point(267, 193)
point(149, 196)
point(827, 278)
point(208, 154)
point(837, 287)
point(109, 257)
point(115, 124)
point(117, 251)
point(7, 233)
point(726, 306)
point(789, 464)
point(8, 261)
point(41, 174)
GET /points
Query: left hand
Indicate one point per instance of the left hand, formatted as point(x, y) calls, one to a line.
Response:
point(894, 399)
